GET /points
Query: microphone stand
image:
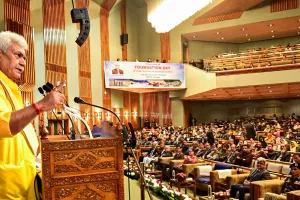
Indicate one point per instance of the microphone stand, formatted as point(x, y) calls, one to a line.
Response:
point(125, 137)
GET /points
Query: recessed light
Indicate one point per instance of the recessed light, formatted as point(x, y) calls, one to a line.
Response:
point(218, 33)
point(249, 97)
point(222, 38)
point(270, 90)
point(241, 93)
point(243, 29)
point(249, 39)
point(298, 95)
point(298, 26)
point(273, 36)
point(246, 34)
point(270, 24)
point(272, 31)
point(298, 33)
point(238, 89)
point(194, 36)
point(269, 87)
point(215, 94)
point(298, 20)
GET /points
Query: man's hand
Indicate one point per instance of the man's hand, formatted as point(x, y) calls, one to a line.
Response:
point(53, 99)
point(246, 182)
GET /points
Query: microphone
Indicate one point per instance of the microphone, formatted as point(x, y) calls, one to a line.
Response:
point(50, 85)
point(47, 88)
point(41, 91)
point(125, 133)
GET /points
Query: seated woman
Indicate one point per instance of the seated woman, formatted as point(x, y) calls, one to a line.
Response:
point(258, 174)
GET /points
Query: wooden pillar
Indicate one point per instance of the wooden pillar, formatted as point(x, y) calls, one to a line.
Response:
point(165, 46)
point(123, 28)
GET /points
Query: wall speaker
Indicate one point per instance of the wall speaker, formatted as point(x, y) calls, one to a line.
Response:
point(81, 15)
point(124, 38)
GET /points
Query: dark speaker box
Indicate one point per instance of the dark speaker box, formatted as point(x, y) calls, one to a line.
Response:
point(124, 38)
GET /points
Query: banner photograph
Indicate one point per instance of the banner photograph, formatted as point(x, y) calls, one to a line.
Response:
point(143, 75)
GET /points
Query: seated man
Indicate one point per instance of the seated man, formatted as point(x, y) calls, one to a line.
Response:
point(190, 159)
point(178, 156)
point(258, 174)
point(150, 154)
point(245, 157)
point(292, 183)
point(231, 156)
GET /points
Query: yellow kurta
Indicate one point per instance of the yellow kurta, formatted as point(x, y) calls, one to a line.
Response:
point(17, 159)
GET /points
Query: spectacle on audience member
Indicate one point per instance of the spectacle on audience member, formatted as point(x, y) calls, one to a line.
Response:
point(258, 174)
point(292, 183)
point(245, 157)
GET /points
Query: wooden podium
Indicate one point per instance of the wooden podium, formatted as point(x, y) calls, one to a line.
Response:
point(82, 169)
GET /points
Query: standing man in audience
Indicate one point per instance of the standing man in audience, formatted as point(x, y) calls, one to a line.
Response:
point(258, 174)
point(18, 140)
point(250, 130)
point(210, 136)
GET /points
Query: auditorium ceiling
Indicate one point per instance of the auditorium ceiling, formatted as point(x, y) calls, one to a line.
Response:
point(283, 90)
point(265, 30)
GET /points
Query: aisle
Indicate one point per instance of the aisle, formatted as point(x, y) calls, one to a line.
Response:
point(135, 191)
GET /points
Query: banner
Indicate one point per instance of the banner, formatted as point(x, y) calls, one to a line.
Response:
point(143, 75)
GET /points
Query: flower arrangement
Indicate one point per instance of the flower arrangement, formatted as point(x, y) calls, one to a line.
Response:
point(132, 173)
point(180, 177)
point(164, 190)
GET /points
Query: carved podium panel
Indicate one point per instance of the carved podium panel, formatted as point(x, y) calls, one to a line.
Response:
point(83, 169)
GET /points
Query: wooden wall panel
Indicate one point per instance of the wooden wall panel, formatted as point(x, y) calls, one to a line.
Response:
point(235, 15)
point(17, 10)
point(84, 71)
point(126, 107)
point(165, 47)
point(55, 45)
point(106, 6)
point(187, 111)
point(123, 28)
point(151, 106)
point(134, 112)
point(17, 19)
point(167, 108)
point(281, 5)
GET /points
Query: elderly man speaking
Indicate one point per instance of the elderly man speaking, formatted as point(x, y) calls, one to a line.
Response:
point(18, 141)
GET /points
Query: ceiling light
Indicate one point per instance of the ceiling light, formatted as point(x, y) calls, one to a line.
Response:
point(157, 9)
point(241, 93)
point(215, 94)
point(249, 97)
point(246, 34)
point(222, 38)
point(270, 24)
point(270, 90)
point(243, 29)
point(298, 33)
point(272, 31)
point(218, 33)
point(273, 36)
point(194, 36)
point(238, 89)
point(269, 87)
point(298, 95)
point(298, 20)
point(249, 39)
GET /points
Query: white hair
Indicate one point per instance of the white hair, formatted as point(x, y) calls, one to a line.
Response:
point(7, 38)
